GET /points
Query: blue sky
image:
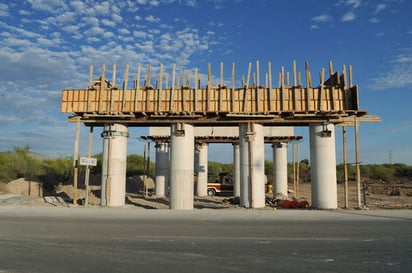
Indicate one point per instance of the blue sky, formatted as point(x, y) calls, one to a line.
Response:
point(48, 45)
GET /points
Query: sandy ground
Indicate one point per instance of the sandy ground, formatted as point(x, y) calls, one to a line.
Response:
point(378, 196)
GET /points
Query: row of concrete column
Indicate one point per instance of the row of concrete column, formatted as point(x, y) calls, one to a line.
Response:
point(175, 166)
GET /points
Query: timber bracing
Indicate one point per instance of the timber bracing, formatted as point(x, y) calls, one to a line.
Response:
point(184, 98)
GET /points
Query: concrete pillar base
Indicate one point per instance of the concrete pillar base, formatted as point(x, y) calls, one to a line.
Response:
point(323, 166)
point(114, 165)
point(182, 167)
point(252, 181)
point(280, 169)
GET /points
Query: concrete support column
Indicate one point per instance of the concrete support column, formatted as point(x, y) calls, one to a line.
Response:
point(162, 169)
point(201, 168)
point(280, 169)
point(236, 170)
point(252, 172)
point(114, 165)
point(181, 166)
point(323, 166)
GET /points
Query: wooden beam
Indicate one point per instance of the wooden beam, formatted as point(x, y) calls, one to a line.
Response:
point(172, 91)
point(137, 87)
point(159, 95)
point(102, 83)
point(125, 79)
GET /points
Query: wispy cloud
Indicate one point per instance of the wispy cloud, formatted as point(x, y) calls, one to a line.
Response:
point(379, 8)
point(352, 3)
point(348, 17)
point(323, 18)
point(398, 73)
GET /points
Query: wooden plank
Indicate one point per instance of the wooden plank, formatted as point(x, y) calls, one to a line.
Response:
point(294, 74)
point(208, 86)
point(270, 86)
point(232, 92)
point(102, 83)
point(195, 91)
point(89, 89)
point(137, 87)
point(322, 80)
point(159, 96)
point(282, 88)
point(171, 107)
point(257, 96)
point(220, 87)
point(308, 85)
point(125, 79)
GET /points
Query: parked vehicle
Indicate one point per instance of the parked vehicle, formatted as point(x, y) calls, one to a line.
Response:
point(221, 186)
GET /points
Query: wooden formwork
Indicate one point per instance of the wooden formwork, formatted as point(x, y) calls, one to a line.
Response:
point(102, 97)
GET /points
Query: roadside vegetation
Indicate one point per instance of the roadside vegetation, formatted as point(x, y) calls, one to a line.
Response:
point(21, 163)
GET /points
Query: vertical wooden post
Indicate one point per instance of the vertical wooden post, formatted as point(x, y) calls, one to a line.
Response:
point(149, 76)
point(87, 176)
point(111, 89)
point(76, 161)
point(148, 85)
point(89, 90)
point(220, 87)
point(358, 176)
point(172, 91)
point(257, 97)
point(137, 87)
point(308, 85)
point(208, 86)
point(345, 169)
point(331, 73)
point(196, 87)
point(232, 95)
point(294, 169)
point(294, 74)
point(321, 91)
point(159, 95)
point(270, 86)
point(125, 79)
point(102, 83)
point(345, 84)
point(282, 88)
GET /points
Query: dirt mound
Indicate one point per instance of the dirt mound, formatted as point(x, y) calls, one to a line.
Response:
point(25, 187)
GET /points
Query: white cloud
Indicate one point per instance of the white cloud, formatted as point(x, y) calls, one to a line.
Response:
point(24, 12)
point(100, 8)
point(379, 8)
point(78, 6)
point(117, 18)
point(348, 17)
point(322, 18)
point(90, 20)
point(314, 27)
point(108, 23)
point(54, 6)
point(398, 75)
point(146, 46)
point(152, 19)
point(4, 10)
point(374, 20)
point(66, 18)
point(353, 3)
point(48, 42)
point(139, 34)
point(94, 31)
point(124, 31)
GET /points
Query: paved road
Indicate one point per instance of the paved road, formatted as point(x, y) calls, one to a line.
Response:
point(135, 240)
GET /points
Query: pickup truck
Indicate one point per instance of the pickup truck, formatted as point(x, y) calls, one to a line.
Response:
point(222, 186)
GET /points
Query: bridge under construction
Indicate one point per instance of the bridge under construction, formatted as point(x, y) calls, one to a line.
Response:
point(181, 103)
